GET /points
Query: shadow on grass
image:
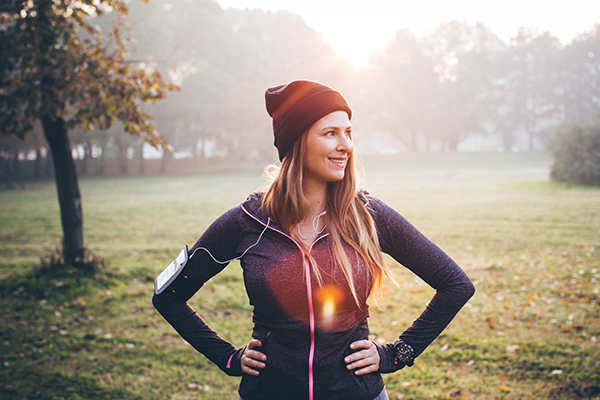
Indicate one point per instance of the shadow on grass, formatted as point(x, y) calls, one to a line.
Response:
point(41, 320)
point(37, 382)
point(59, 286)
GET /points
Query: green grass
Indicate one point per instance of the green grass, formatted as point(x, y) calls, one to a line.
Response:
point(531, 246)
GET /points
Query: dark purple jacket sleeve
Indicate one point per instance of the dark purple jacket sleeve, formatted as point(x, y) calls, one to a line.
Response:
point(408, 246)
point(221, 238)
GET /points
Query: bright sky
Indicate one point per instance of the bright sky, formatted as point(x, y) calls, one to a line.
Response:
point(356, 29)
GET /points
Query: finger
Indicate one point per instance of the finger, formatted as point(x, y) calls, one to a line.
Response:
point(249, 371)
point(370, 351)
point(365, 344)
point(367, 370)
point(362, 362)
point(251, 363)
point(359, 355)
point(254, 343)
point(255, 355)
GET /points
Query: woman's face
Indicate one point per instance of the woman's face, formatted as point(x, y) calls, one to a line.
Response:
point(328, 146)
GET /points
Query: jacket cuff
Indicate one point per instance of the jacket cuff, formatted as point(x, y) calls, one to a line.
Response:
point(387, 361)
point(234, 363)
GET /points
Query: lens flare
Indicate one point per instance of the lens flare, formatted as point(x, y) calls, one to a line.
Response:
point(329, 307)
point(328, 302)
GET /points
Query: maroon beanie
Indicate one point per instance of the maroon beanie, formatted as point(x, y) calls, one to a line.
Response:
point(297, 105)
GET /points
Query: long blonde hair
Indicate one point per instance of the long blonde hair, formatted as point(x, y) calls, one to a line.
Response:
point(348, 219)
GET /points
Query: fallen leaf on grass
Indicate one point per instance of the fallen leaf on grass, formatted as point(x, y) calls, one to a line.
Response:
point(505, 388)
point(502, 377)
point(490, 323)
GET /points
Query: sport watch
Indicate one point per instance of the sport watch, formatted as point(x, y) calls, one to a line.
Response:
point(403, 352)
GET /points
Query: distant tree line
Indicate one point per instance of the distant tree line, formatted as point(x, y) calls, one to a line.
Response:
point(428, 93)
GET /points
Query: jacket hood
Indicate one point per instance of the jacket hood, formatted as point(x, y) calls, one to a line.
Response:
point(253, 207)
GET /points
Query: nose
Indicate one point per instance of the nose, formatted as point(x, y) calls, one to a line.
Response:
point(345, 145)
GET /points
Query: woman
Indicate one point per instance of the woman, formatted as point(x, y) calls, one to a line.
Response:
point(310, 249)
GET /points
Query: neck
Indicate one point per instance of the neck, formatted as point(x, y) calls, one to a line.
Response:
point(316, 196)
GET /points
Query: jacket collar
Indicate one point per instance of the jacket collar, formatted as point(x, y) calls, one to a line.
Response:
point(253, 207)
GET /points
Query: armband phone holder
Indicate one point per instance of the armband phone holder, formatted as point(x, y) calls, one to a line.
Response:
point(165, 278)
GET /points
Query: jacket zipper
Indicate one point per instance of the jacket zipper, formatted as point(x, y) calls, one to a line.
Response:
point(311, 312)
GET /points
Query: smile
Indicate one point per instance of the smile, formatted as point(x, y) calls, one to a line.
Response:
point(338, 161)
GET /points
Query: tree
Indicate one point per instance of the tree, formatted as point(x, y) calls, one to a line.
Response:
point(532, 82)
point(463, 56)
point(576, 154)
point(398, 87)
point(580, 78)
point(57, 68)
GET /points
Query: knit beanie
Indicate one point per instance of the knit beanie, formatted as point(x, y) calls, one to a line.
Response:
point(297, 105)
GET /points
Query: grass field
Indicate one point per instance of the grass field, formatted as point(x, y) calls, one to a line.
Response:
point(531, 247)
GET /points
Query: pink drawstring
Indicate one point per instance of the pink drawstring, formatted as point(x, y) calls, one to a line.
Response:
point(311, 354)
point(229, 362)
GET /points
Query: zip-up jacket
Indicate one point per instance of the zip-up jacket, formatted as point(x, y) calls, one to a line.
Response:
point(306, 326)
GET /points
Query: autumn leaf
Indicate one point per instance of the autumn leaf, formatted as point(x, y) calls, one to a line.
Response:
point(505, 388)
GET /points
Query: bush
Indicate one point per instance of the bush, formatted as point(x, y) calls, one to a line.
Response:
point(576, 154)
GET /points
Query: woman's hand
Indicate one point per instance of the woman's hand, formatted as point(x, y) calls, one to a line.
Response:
point(367, 360)
point(252, 358)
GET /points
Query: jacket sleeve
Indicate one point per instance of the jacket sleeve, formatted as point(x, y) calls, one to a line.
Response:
point(403, 242)
point(221, 238)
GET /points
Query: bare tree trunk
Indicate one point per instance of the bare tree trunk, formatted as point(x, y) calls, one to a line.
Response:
point(142, 166)
point(48, 166)
point(87, 154)
point(37, 167)
point(122, 159)
point(6, 164)
point(67, 186)
point(16, 168)
point(163, 162)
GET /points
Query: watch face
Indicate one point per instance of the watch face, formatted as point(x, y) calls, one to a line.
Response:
point(404, 352)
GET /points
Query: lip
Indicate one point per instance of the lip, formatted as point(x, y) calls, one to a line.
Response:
point(338, 162)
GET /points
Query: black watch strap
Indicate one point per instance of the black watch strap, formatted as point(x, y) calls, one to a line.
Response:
point(403, 352)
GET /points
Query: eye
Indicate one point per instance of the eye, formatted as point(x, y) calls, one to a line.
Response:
point(348, 134)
